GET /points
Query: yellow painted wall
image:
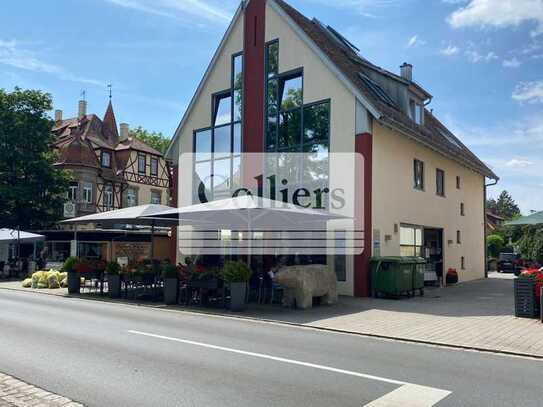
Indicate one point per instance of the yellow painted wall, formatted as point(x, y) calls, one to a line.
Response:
point(395, 201)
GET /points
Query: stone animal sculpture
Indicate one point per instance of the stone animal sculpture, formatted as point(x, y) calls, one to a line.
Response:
point(303, 282)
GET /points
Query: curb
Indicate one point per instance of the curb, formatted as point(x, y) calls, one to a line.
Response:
point(293, 324)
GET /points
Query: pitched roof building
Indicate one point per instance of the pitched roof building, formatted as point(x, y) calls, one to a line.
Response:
point(281, 82)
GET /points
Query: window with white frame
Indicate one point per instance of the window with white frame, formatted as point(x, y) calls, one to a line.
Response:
point(87, 192)
point(156, 197)
point(418, 174)
point(106, 159)
point(72, 191)
point(411, 240)
point(131, 197)
point(108, 196)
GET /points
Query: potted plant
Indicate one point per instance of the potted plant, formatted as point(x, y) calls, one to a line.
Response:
point(170, 276)
point(113, 273)
point(237, 274)
point(74, 282)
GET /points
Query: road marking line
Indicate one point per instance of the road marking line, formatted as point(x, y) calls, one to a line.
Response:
point(270, 357)
point(410, 395)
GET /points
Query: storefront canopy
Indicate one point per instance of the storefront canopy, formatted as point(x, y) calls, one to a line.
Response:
point(135, 215)
point(533, 219)
point(11, 236)
point(245, 212)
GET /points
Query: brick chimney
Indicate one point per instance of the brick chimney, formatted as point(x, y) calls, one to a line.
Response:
point(82, 109)
point(406, 71)
point(124, 131)
point(58, 115)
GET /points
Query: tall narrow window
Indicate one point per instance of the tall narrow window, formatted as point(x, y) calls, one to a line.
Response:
point(458, 183)
point(462, 209)
point(440, 182)
point(106, 159)
point(108, 196)
point(463, 263)
point(237, 86)
point(340, 260)
point(154, 166)
point(142, 163)
point(87, 192)
point(272, 59)
point(458, 237)
point(418, 176)
point(73, 191)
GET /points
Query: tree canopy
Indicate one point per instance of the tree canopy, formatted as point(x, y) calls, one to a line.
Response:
point(153, 139)
point(505, 206)
point(32, 191)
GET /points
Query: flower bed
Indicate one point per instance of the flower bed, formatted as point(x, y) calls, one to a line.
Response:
point(528, 293)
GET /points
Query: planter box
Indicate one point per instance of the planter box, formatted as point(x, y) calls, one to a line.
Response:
point(114, 285)
point(208, 284)
point(171, 291)
point(238, 294)
point(74, 283)
point(526, 304)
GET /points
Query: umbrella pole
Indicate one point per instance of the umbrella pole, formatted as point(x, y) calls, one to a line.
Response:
point(18, 242)
point(152, 240)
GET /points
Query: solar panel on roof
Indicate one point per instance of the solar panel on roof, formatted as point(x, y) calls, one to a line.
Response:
point(376, 90)
point(342, 39)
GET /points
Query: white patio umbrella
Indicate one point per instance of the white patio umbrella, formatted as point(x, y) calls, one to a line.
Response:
point(12, 235)
point(247, 213)
point(135, 215)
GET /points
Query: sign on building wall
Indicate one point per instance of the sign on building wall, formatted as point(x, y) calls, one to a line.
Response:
point(272, 203)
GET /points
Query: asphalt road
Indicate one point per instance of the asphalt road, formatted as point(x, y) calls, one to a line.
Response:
point(104, 354)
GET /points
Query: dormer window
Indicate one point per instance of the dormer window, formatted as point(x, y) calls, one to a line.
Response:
point(416, 111)
point(106, 159)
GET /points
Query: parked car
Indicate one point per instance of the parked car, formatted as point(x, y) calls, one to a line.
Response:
point(509, 263)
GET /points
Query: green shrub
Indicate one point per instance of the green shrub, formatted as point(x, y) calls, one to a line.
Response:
point(169, 271)
point(236, 272)
point(52, 280)
point(495, 244)
point(69, 264)
point(113, 268)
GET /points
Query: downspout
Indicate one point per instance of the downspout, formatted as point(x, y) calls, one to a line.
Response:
point(484, 225)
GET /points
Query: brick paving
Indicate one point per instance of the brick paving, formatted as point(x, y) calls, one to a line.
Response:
point(16, 393)
point(477, 314)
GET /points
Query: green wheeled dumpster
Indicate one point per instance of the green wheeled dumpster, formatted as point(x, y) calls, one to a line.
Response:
point(392, 276)
point(419, 266)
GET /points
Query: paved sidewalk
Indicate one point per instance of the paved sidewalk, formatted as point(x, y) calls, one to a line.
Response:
point(478, 314)
point(16, 393)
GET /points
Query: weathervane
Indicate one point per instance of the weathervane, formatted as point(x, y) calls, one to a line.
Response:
point(83, 94)
point(109, 87)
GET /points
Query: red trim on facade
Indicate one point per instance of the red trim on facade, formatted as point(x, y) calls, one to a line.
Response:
point(174, 191)
point(362, 271)
point(254, 76)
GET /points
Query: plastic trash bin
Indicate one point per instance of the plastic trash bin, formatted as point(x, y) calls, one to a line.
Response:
point(392, 276)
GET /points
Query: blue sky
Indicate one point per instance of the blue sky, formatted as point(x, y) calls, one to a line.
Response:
point(481, 59)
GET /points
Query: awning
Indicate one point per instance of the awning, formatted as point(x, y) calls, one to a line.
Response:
point(11, 236)
point(533, 219)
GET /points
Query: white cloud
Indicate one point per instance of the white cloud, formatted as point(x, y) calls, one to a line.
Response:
point(14, 56)
point(519, 163)
point(511, 63)
point(179, 9)
point(414, 41)
point(476, 57)
point(450, 50)
point(529, 92)
point(499, 14)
